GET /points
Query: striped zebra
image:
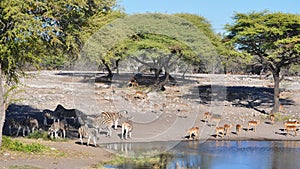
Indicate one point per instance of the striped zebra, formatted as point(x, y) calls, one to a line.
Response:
point(49, 114)
point(77, 115)
point(33, 124)
point(17, 123)
point(89, 133)
point(57, 127)
point(24, 123)
point(106, 120)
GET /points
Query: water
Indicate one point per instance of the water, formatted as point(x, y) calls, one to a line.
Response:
point(226, 154)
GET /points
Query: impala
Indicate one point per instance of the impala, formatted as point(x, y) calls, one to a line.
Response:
point(220, 130)
point(207, 116)
point(272, 118)
point(291, 129)
point(253, 124)
point(215, 119)
point(194, 131)
point(238, 128)
point(227, 128)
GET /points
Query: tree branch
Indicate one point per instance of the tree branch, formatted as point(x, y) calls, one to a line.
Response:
point(281, 78)
point(142, 62)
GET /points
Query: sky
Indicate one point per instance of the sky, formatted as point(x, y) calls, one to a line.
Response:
point(217, 12)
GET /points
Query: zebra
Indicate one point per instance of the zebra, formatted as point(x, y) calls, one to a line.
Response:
point(89, 133)
point(75, 114)
point(56, 127)
point(49, 114)
point(17, 123)
point(108, 119)
point(24, 123)
point(33, 123)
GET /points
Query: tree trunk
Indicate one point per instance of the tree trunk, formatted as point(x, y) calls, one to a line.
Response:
point(110, 74)
point(276, 92)
point(117, 66)
point(2, 107)
point(167, 77)
point(183, 74)
point(157, 72)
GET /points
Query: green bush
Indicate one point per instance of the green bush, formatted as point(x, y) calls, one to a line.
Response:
point(158, 161)
point(16, 145)
point(38, 135)
point(44, 135)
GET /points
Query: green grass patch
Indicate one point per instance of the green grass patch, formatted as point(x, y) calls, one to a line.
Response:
point(38, 135)
point(44, 135)
point(281, 118)
point(159, 161)
point(16, 145)
point(23, 167)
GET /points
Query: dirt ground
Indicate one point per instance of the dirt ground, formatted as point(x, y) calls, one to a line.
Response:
point(163, 116)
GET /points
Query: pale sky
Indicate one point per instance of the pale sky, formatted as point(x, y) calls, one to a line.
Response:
point(217, 12)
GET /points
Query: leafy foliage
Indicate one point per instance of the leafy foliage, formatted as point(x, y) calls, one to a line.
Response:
point(150, 33)
point(16, 145)
point(273, 38)
point(38, 135)
point(35, 31)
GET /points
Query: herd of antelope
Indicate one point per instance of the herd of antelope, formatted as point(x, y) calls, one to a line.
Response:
point(290, 127)
point(91, 128)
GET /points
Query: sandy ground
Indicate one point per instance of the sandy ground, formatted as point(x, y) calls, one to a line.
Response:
point(164, 116)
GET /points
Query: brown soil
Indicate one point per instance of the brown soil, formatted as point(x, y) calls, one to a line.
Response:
point(164, 116)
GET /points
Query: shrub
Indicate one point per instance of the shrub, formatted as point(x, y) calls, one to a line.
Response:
point(16, 145)
point(38, 134)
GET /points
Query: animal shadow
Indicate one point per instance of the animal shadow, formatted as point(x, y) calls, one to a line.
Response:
point(246, 129)
point(85, 143)
point(268, 123)
point(281, 133)
point(193, 137)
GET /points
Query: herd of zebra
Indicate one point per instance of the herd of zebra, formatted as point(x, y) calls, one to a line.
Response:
point(58, 122)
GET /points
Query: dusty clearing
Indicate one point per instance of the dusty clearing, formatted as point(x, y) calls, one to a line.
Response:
point(163, 116)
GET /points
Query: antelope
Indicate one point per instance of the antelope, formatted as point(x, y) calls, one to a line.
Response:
point(215, 119)
point(140, 95)
point(206, 116)
point(133, 83)
point(193, 131)
point(291, 123)
point(220, 130)
point(126, 129)
point(281, 109)
point(128, 97)
point(182, 113)
point(253, 124)
point(238, 128)
point(292, 129)
point(272, 118)
point(227, 128)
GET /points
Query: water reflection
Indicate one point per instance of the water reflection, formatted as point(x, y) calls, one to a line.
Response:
point(139, 149)
point(225, 154)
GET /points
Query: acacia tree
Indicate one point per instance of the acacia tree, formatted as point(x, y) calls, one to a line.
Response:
point(21, 42)
point(29, 29)
point(94, 23)
point(273, 37)
point(146, 33)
